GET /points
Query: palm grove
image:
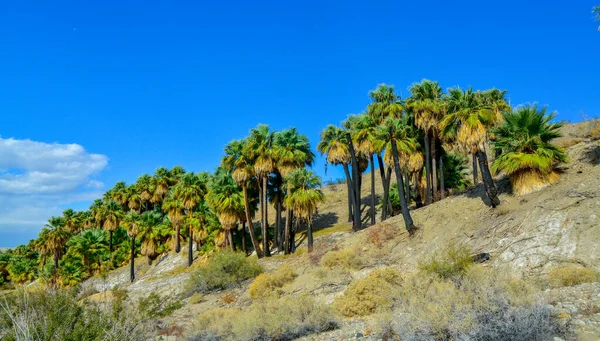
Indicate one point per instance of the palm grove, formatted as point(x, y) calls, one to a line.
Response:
point(420, 148)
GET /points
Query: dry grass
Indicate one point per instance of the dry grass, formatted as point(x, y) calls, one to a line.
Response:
point(453, 261)
point(375, 293)
point(594, 132)
point(195, 298)
point(268, 285)
point(528, 181)
point(346, 259)
point(380, 234)
point(274, 319)
point(568, 276)
point(228, 297)
point(567, 142)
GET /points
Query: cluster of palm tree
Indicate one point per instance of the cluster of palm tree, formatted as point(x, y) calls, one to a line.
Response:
point(424, 140)
point(596, 12)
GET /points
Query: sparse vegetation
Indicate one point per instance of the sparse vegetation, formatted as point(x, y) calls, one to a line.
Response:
point(155, 306)
point(267, 285)
point(375, 293)
point(594, 133)
point(568, 276)
point(274, 319)
point(452, 262)
point(346, 259)
point(223, 270)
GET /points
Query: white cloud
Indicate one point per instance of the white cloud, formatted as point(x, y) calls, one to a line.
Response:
point(37, 178)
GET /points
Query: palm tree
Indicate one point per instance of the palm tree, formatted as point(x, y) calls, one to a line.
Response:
point(175, 210)
point(152, 231)
point(143, 187)
point(226, 199)
point(131, 222)
point(71, 221)
point(134, 199)
point(528, 156)
point(293, 152)
point(334, 143)
point(119, 193)
point(238, 162)
point(56, 238)
point(428, 108)
point(395, 132)
point(469, 117)
point(303, 197)
point(596, 11)
point(191, 190)
point(90, 245)
point(260, 149)
point(111, 215)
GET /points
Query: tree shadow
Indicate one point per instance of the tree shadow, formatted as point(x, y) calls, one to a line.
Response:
point(591, 155)
point(503, 186)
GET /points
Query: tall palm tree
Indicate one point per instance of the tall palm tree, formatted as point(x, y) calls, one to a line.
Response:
point(239, 163)
point(260, 148)
point(71, 221)
point(131, 222)
point(111, 215)
point(191, 190)
point(174, 208)
point(334, 144)
point(143, 187)
point(119, 193)
point(226, 199)
point(293, 152)
point(152, 231)
point(528, 156)
point(469, 119)
point(303, 197)
point(134, 199)
point(428, 108)
point(91, 246)
point(395, 132)
point(56, 238)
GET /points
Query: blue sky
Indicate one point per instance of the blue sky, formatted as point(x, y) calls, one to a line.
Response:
point(94, 93)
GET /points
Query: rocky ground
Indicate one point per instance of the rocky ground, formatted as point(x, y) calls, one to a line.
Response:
point(579, 307)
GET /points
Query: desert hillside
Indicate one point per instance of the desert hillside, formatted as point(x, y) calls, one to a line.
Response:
point(527, 236)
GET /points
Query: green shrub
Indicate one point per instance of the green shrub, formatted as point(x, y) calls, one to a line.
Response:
point(375, 293)
point(483, 304)
point(451, 262)
point(226, 268)
point(155, 306)
point(266, 285)
point(196, 298)
point(274, 319)
point(568, 276)
point(57, 315)
point(346, 259)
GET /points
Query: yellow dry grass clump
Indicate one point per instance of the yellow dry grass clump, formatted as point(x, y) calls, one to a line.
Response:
point(375, 293)
point(267, 285)
point(594, 133)
point(568, 276)
point(346, 259)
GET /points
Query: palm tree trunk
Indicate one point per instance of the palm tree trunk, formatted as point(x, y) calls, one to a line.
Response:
point(388, 183)
point(278, 229)
point(249, 220)
point(350, 193)
point(110, 245)
point(442, 182)
point(475, 175)
point(418, 197)
point(488, 181)
point(55, 275)
point(177, 238)
point(428, 166)
point(292, 233)
point(244, 238)
point(288, 225)
point(131, 263)
point(230, 238)
point(408, 222)
point(434, 179)
point(407, 192)
point(198, 245)
point(310, 236)
point(190, 247)
point(265, 224)
point(372, 189)
point(356, 223)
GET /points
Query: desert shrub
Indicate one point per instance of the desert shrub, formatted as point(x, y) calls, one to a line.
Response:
point(274, 319)
point(483, 304)
point(380, 233)
point(195, 298)
point(226, 268)
point(374, 293)
point(568, 276)
point(228, 297)
point(346, 259)
point(266, 285)
point(451, 262)
point(155, 306)
point(594, 133)
point(57, 315)
point(567, 142)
